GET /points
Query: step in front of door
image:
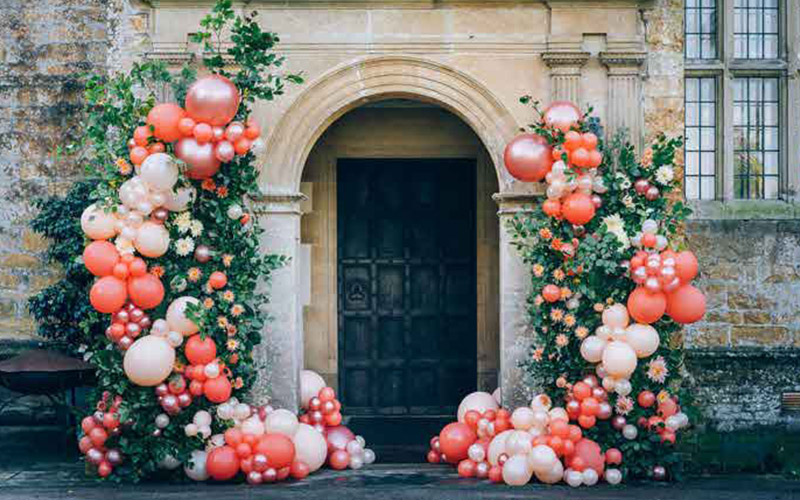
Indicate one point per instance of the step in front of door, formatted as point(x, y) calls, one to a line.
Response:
point(400, 439)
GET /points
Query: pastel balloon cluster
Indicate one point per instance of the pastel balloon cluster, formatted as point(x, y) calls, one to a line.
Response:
point(663, 279)
point(667, 418)
point(573, 194)
point(96, 429)
point(587, 403)
point(324, 410)
point(174, 395)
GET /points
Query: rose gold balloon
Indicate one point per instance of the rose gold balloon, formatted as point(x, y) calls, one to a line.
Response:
point(562, 115)
point(528, 157)
point(224, 151)
point(212, 99)
point(200, 158)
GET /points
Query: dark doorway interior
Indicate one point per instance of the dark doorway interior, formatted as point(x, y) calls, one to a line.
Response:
point(406, 298)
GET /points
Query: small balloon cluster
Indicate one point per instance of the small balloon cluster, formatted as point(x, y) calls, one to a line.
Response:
point(324, 410)
point(208, 375)
point(173, 396)
point(667, 418)
point(126, 325)
point(537, 440)
point(587, 402)
point(97, 428)
point(663, 278)
point(203, 133)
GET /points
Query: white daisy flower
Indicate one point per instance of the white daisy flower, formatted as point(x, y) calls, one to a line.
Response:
point(183, 221)
point(616, 226)
point(184, 246)
point(664, 175)
point(196, 228)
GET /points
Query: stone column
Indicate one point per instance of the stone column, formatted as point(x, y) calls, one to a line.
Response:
point(279, 357)
point(624, 93)
point(565, 74)
point(516, 336)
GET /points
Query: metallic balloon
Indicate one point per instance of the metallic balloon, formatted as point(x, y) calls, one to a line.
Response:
point(200, 158)
point(160, 214)
point(528, 157)
point(562, 115)
point(212, 99)
point(202, 254)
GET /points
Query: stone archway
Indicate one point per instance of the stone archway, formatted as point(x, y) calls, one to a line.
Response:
point(378, 78)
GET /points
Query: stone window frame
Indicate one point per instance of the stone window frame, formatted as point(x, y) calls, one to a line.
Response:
point(725, 68)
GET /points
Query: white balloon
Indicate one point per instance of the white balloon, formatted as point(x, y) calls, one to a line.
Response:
point(619, 359)
point(592, 348)
point(152, 239)
point(541, 402)
point(541, 459)
point(522, 418)
point(310, 385)
point(174, 338)
point(516, 471)
point(180, 199)
point(98, 224)
point(558, 413)
point(476, 453)
point(369, 456)
point(553, 475)
point(133, 192)
point(159, 171)
point(630, 432)
point(311, 447)
point(196, 468)
point(590, 476)
point(176, 316)
point(623, 387)
point(518, 443)
point(497, 446)
point(478, 401)
point(643, 338)
point(613, 476)
point(241, 411)
point(573, 478)
point(191, 430)
point(281, 422)
point(162, 420)
point(202, 418)
point(650, 226)
point(149, 361)
point(253, 425)
point(498, 396)
point(234, 211)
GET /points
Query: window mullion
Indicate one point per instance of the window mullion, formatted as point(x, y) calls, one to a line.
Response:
point(725, 167)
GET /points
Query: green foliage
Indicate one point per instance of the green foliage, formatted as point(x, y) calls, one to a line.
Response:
point(595, 276)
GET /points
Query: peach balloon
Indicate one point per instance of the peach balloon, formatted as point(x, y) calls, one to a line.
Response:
point(528, 157)
point(616, 316)
point(146, 291)
point(159, 172)
point(310, 446)
point(619, 359)
point(643, 338)
point(497, 447)
point(180, 200)
point(518, 443)
point(98, 224)
point(516, 471)
point(100, 257)
point(281, 421)
point(200, 158)
point(523, 418)
point(478, 401)
point(176, 316)
point(686, 305)
point(152, 239)
point(592, 348)
point(686, 266)
point(149, 361)
point(541, 458)
point(164, 118)
point(552, 476)
point(310, 385)
point(108, 294)
point(646, 307)
point(578, 208)
point(212, 99)
point(562, 115)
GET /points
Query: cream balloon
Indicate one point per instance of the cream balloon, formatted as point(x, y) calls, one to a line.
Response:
point(281, 422)
point(133, 192)
point(558, 413)
point(159, 171)
point(518, 443)
point(310, 385)
point(176, 316)
point(310, 446)
point(619, 359)
point(516, 471)
point(196, 468)
point(149, 361)
point(592, 348)
point(98, 224)
point(643, 338)
point(497, 446)
point(478, 401)
point(541, 459)
point(522, 418)
point(180, 200)
point(253, 425)
point(616, 316)
point(553, 475)
point(152, 240)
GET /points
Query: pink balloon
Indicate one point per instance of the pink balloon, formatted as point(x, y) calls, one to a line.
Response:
point(528, 157)
point(212, 99)
point(200, 158)
point(234, 131)
point(338, 437)
point(224, 151)
point(219, 134)
point(562, 115)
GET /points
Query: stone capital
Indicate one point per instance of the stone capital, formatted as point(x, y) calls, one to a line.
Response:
point(563, 62)
point(623, 63)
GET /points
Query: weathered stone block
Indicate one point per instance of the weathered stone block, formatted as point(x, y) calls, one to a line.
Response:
point(768, 335)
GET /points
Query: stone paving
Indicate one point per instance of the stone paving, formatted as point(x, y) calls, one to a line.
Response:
point(56, 480)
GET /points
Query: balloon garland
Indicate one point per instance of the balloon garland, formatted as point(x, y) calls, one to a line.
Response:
point(601, 257)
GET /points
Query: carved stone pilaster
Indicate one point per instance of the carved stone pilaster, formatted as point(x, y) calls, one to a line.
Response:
point(625, 102)
point(565, 74)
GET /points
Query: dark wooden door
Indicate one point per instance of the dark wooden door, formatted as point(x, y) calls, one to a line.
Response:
point(407, 292)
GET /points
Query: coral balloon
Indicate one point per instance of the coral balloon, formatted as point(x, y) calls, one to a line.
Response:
point(578, 208)
point(310, 446)
point(278, 449)
point(100, 257)
point(98, 224)
point(149, 361)
point(562, 115)
point(528, 157)
point(146, 291)
point(310, 385)
point(646, 307)
point(686, 266)
point(217, 390)
point(686, 305)
point(152, 239)
point(455, 440)
point(108, 294)
point(217, 280)
point(551, 293)
point(164, 118)
point(201, 158)
point(186, 125)
point(199, 350)
point(551, 207)
point(339, 460)
point(222, 463)
point(478, 401)
point(212, 99)
point(591, 454)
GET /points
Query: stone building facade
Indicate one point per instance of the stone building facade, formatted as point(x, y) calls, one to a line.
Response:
point(423, 79)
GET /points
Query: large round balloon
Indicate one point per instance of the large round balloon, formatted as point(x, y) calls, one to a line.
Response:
point(478, 401)
point(646, 307)
point(108, 294)
point(541, 458)
point(592, 348)
point(217, 390)
point(552, 476)
point(195, 468)
point(212, 99)
point(310, 385)
point(516, 471)
point(199, 350)
point(200, 158)
point(455, 440)
point(176, 315)
point(278, 449)
point(497, 447)
point(643, 339)
point(152, 239)
point(338, 437)
point(145, 291)
point(164, 119)
point(578, 208)
point(686, 305)
point(159, 171)
point(98, 224)
point(310, 446)
point(100, 257)
point(591, 455)
point(528, 157)
point(281, 421)
point(149, 361)
point(222, 463)
point(619, 359)
point(562, 115)
point(686, 266)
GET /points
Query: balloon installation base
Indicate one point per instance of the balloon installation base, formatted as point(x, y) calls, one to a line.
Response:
point(66, 480)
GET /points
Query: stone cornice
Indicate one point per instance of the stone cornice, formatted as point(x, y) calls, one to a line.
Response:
point(627, 62)
point(558, 59)
point(277, 202)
